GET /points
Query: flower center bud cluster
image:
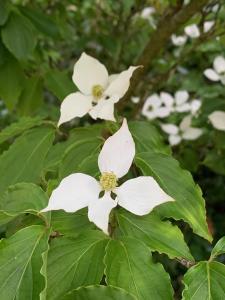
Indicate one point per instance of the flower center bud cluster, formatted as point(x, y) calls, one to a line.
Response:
point(97, 91)
point(108, 181)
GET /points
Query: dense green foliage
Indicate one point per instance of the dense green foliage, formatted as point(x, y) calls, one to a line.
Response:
point(177, 250)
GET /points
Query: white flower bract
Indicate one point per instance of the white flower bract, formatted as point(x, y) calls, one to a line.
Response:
point(218, 71)
point(98, 92)
point(182, 132)
point(217, 118)
point(138, 195)
point(162, 105)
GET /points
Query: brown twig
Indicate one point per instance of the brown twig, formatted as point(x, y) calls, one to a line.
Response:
point(172, 19)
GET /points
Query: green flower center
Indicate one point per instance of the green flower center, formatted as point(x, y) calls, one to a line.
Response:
point(97, 91)
point(108, 181)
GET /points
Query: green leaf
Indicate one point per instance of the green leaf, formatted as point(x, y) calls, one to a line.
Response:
point(77, 135)
point(205, 281)
point(59, 83)
point(19, 36)
point(23, 162)
point(11, 82)
point(31, 97)
point(76, 154)
point(178, 183)
point(129, 266)
point(22, 198)
point(147, 137)
point(75, 262)
point(41, 21)
point(219, 248)
point(21, 262)
point(157, 235)
point(19, 127)
point(215, 160)
point(70, 224)
point(99, 292)
point(4, 11)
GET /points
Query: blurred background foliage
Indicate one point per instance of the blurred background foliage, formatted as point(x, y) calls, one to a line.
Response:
point(41, 40)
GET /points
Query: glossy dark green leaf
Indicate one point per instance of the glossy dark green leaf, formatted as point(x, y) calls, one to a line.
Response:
point(178, 183)
point(76, 154)
point(147, 137)
point(19, 127)
point(70, 224)
point(129, 266)
point(205, 281)
point(219, 248)
point(23, 161)
point(99, 292)
point(22, 198)
point(21, 263)
point(158, 235)
point(75, 262)
point(77, 135)
point(59, 83)
point(19, 36)
point(41, 21)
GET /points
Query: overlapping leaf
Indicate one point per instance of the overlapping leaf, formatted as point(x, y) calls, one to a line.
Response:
point(157, 235)
point(23, 162)
point(75, 262)
point(98, 292)
point(21, 261)
point(178, 183)
point(205, 281)
point(129, 266)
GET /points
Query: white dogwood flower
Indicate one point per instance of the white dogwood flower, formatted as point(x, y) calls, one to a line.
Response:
point(218, 71)
point(178, 40)
point(98, 92)
point(135, 99)
point(217, 118)
point(154, 108)
point(192, 31)
point(178, 103)
point(162, 105)
point(147, 12)
point(182, 132)
point(138, 195)
point(208, 25)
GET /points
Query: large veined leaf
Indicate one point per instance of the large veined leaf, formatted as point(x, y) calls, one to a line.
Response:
point(57, 152)
point(157, 235)
point(19, 127)
point(219, 248)
point(205, 281)
point(99, 292)
point(75, 262)
point(129, 266)
point(21, 198)
point(147, 137)
point(178, 183)
point(59, 83)
point(41, 21)
point(23, 162)
point(21, 261)
point(70, 224)
point(76, 154)
point(11, 81)
point(19, 36)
